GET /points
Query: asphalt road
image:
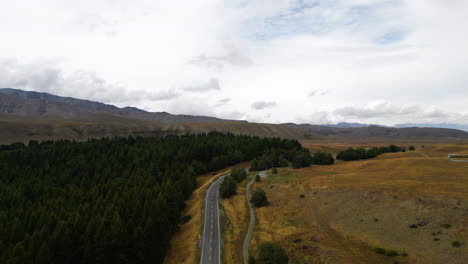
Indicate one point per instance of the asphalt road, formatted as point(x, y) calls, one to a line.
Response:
point(211, 237)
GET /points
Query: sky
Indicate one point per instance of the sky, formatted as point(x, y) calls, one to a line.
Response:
point(319, 61)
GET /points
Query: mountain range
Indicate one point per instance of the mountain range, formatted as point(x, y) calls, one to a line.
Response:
point(26, 115)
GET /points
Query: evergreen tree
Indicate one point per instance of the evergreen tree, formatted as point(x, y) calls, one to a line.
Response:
point(228, 187)
point(238, 174)
point(111, 200)
point(272, 253)
point(321, 158)
point(44, 256)
point(259, 198)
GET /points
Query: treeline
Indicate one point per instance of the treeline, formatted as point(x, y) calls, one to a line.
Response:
point(298, 158)
point(277, 158)
point(362, 153)
point(107, 200)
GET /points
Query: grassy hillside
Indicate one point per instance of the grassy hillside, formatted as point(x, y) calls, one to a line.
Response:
point(18, 128)
point(350, 208)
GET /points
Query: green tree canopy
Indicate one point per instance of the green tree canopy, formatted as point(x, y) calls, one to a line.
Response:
point(228, 187)
point(259, 198)
point(272, 253)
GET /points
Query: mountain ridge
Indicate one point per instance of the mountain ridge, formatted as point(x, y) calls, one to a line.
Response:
point(28, 115)
point(48, 104)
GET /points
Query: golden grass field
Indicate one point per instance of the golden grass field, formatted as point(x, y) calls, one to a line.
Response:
point(351, 207)
point(347, 209)
point(234, 225)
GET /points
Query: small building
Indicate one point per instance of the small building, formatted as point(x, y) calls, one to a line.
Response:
point(453, 155)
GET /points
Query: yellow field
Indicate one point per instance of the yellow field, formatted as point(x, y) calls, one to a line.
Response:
point(351, 207)
point(234, 225)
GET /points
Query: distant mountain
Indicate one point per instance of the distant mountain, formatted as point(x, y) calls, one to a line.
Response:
point(378, 132)
point(348, 125)
point(440, 125)
point(41, 116)
point(26, 115)
point(35, 104)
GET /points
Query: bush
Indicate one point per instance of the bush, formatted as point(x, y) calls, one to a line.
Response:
point(392, 253)
point(252, 260)
point(322, 158)
point(238, 174)
point(228, 187)
point(185, 219)
point(380, 250)
point(447, 226)
point(274, 171)
point(302, 159)
point(301, 196)
point(259, 198)
point(412, 148)
point(456, 243)
point(257, 178)
point(272, 253)
point(361, 153)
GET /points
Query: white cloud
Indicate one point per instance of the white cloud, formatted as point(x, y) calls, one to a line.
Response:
point(345, 53)
point(260, 105)
point(212, 84)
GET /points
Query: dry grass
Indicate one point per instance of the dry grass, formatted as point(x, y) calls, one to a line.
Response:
point(351, 207)
point(184, 244)
point(235, 227)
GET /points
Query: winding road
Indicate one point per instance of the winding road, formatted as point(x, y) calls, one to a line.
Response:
point(211, 243)
point(248, 235)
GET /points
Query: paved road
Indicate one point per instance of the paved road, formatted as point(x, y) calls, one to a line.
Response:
point(211, 244)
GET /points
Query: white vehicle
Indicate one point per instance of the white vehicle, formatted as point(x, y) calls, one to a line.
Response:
point(453, 155)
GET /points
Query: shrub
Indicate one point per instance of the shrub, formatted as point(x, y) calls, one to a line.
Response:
point(301, 196)
point(392, 253)
point(252, 260)
point(361, 153)
point(238, 174)
point(380, 250)
point(272, 253)
point(412, 147)
point(322, 158)
point(257, 178)
point(259, 198)
point(228, 187)
point(456, 243)
point(274, 171)
point(185, 218)
point(302, 159)
point(447, 226)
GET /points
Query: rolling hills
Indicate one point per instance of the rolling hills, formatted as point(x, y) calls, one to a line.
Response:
point(26, 115)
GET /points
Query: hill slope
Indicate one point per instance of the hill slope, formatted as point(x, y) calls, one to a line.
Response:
point(34, 104)
point(378, 132)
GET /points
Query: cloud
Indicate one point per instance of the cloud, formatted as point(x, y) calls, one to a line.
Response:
point(231, 56)
point(212, 84)
point(384, 113)
point(259, 105)
point(47, 76)
point(222, 101)
point(318, 93)
point(410, 53)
